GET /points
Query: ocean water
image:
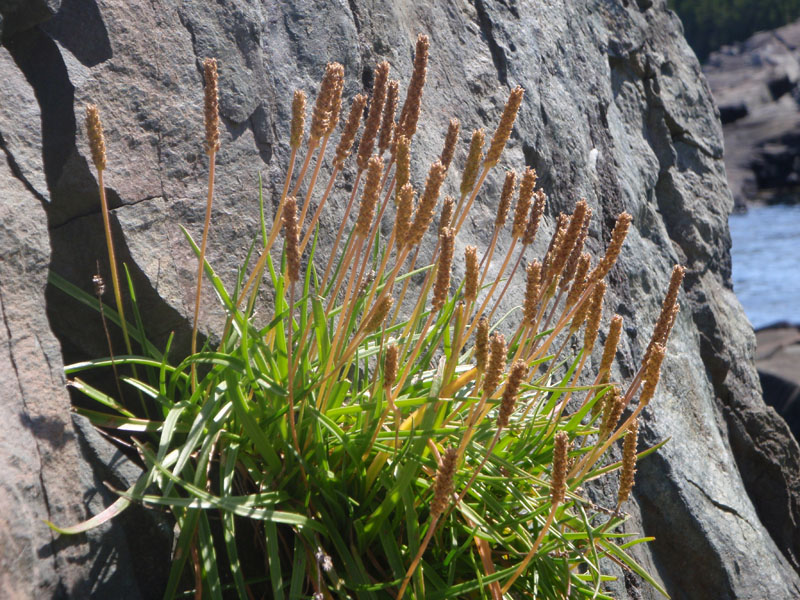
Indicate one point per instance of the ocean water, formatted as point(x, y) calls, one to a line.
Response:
point(766, 263)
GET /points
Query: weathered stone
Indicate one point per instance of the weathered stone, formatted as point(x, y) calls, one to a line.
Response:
point(616, 110)
point(18, 15)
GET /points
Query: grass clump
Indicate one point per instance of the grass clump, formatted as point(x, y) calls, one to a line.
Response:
point(369, 441)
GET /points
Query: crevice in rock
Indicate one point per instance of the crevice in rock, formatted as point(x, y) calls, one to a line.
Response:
point(356, 16)
point(115, 204)
point(720, 505)
point(17, 172)
point(498, 54)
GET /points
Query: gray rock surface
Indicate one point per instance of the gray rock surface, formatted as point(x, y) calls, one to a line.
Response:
point(616, 110)
point(777, 361)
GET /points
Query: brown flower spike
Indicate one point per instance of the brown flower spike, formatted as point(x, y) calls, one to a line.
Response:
point(211, 104)
point(628, 462)
point(97, 142)
point(503, 131)
point(558, 483)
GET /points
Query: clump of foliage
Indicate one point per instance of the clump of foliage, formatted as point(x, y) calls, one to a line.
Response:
point(710, 24)
point(384, 440)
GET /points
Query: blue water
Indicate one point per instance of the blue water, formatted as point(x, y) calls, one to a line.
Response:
point(766, 263)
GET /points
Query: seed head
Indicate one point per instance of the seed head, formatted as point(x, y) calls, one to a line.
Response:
point(614, 247)
point(558, 482)
point(389, 110)
point(335, 106)
point(569, 240)
point(471, 276)
point(532, 290)
point(503, 131)
point(610, 348)
point(537, 210)
point(442, 285)
point(390, 366)
point(211, 111)
point(559, 235)
point(446, 218)
point(668, 310)
point(369, 200)
point(574, 257)
point(524, 202)
point(332, 83)
point(579, 281)
point(403, 170)
point(405, 208)
point(612, 411)
point(409, 115)
point(97, 142)
point(517, 373)
point(450, 141)
point(497, 363)
point(505, 199)
point(470, 175)
point(427, 203)
point(350, 130)
point(628, 462)
point(593, 319)
point(291, 235)
point(298, 119)
point(373, 122)
point(482, 344)
point(443, 485)
point(652, 372)
point(379, 312)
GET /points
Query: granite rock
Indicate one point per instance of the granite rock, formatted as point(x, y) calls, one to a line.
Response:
point(616, 110)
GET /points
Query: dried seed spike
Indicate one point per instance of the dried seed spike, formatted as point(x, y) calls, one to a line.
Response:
point(350, 130)
point(443, 485)
point(572, 262)
point(471, 276)
point(614, 247)
point(558, 481)
point(442, 285)
point(532, 289)
point(573, 231)
point(373, 122)
point(390, 366)
point(503, 131)
point(517, 373)
point(446, 216)
point(405, 208)
point(369, 199)
point(579, 281)
point(496, 364)
point(450, 141)
point(298, 119)
point(97, 142)
point(524, 202)
point(427, 203)
point(382, 308)
point(610, 348)
point(615, 404)
point(320, 115)
point(211, 105)
point(628, 462)
point(593, 320)
point(537, 210)
point(667, 317)
point(291, 233)
point(403, 170)
point(389, 110)
point(652, 372)
point(409, 115)
point(335, 105)
point(470, 175)
point(556, 242)
point(505, 199)
point(482, 345)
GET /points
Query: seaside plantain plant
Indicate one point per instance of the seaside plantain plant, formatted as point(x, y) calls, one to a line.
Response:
point(379, 439)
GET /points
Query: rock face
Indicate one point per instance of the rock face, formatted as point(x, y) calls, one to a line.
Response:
point(755, 84)
point(777, 358)
point(616, 110)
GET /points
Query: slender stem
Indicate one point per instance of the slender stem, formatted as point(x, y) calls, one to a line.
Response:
point(312, 184)
point(341, 229)
point(202, 259)
point(318, 211)
point(532, 551)
point(472, 196)
point(413, 566)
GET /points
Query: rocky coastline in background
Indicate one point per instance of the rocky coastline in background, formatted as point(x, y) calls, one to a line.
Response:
point(756, 85)
point(616, 110)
